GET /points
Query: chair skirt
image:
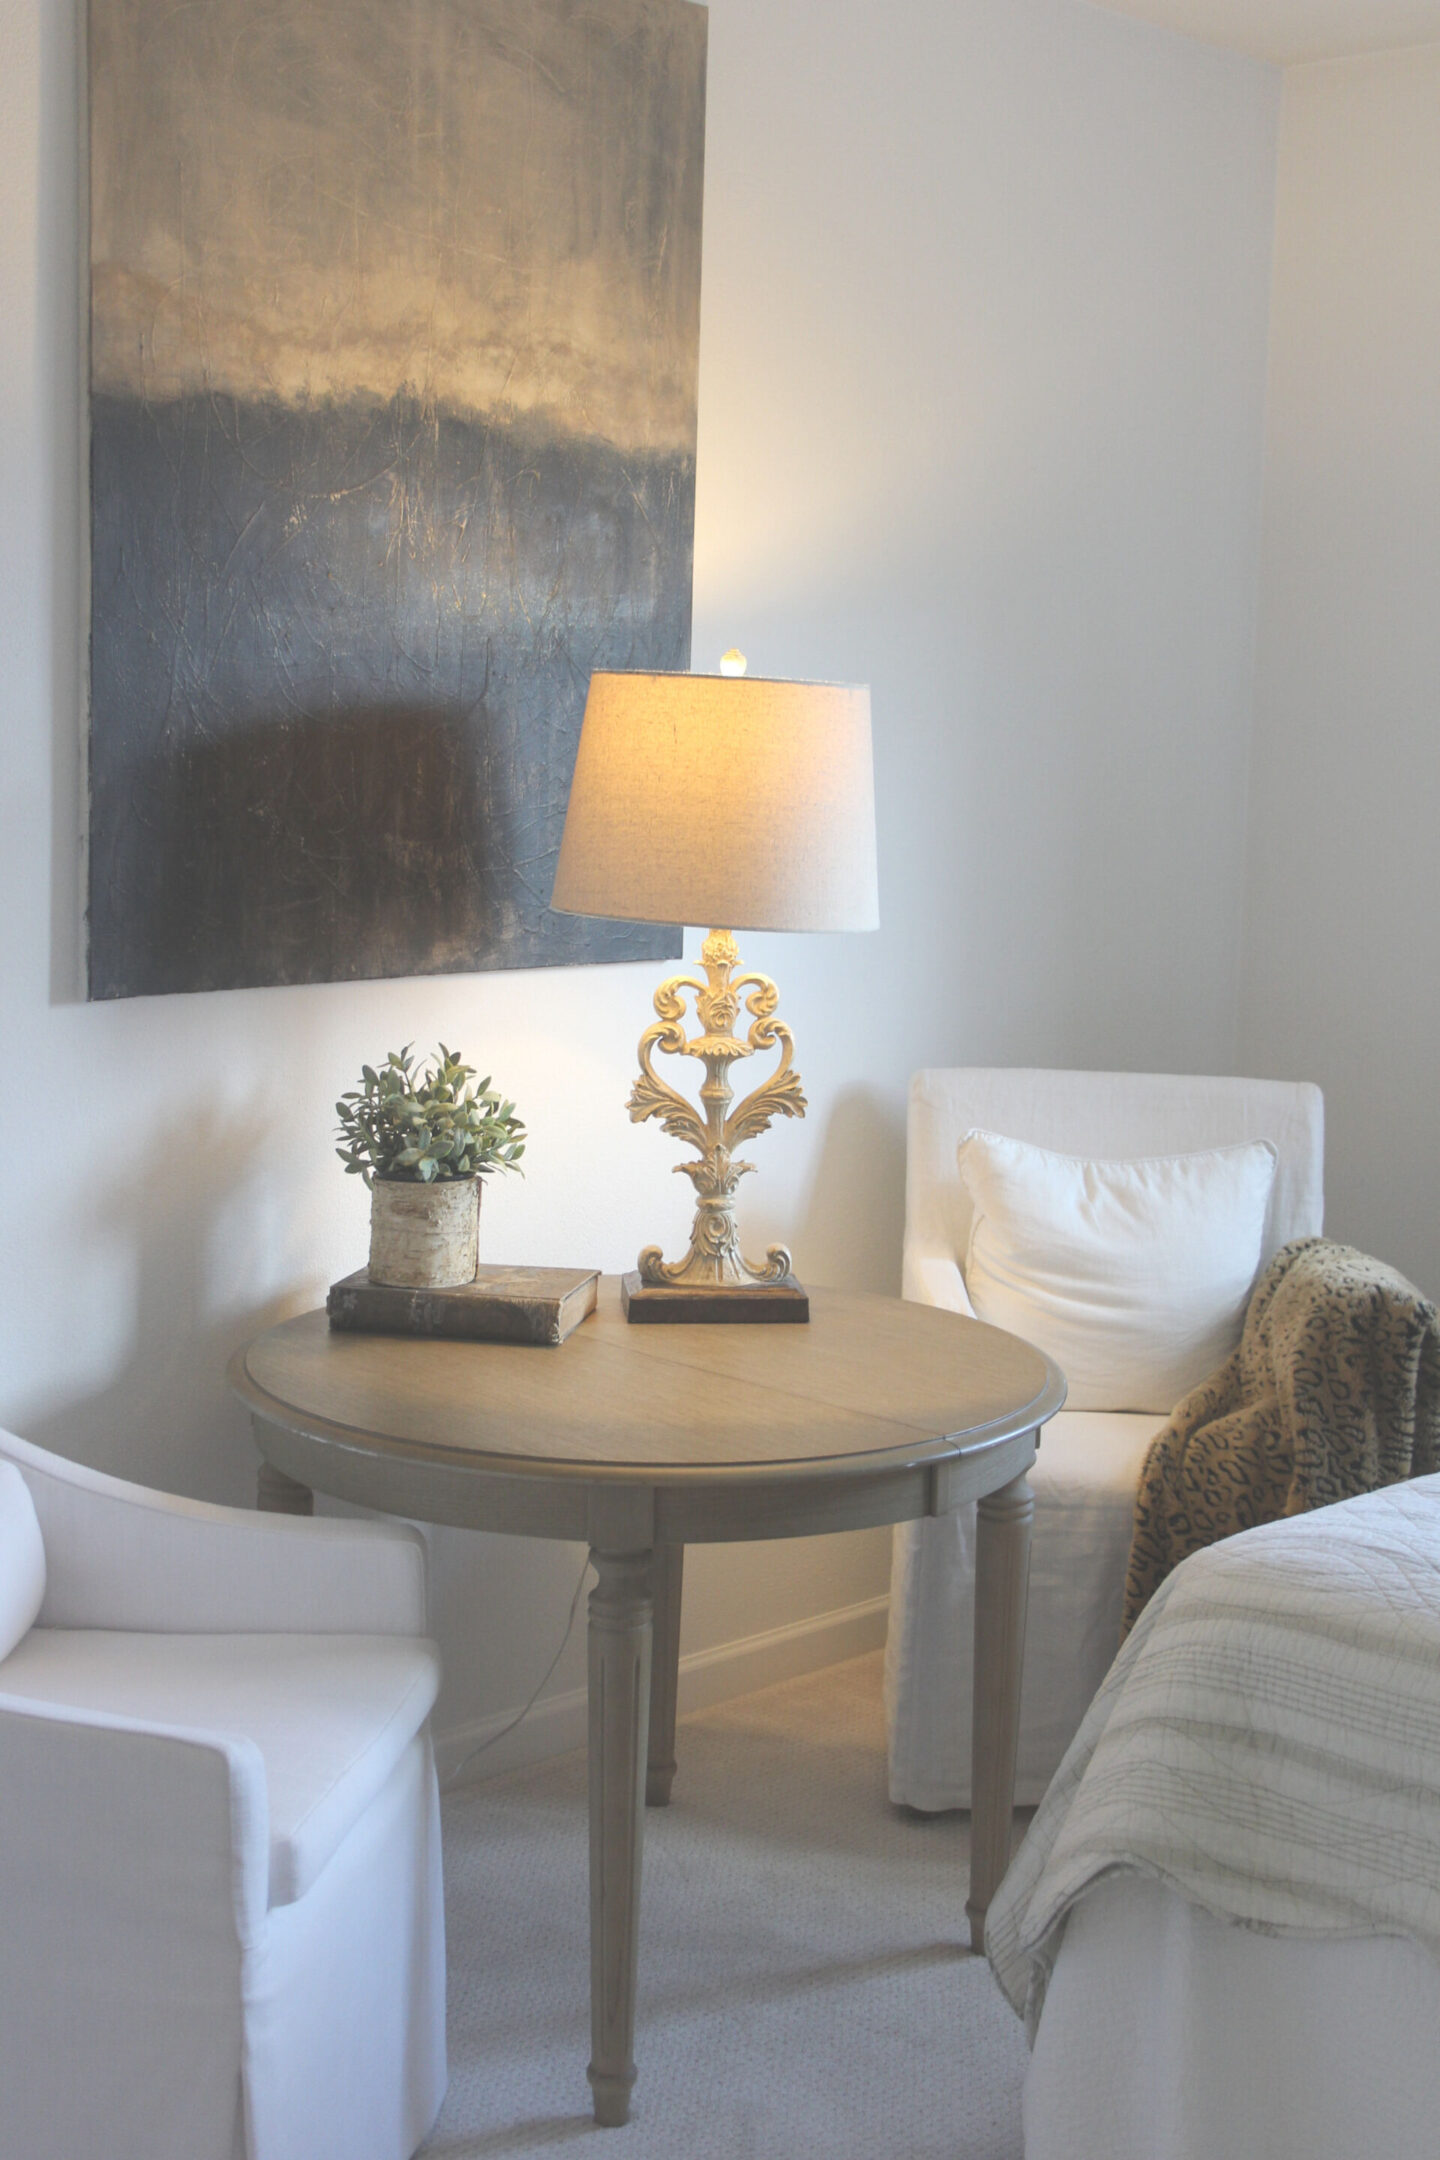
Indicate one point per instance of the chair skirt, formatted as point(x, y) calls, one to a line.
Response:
point(343, 2048)
point(1084, 1484)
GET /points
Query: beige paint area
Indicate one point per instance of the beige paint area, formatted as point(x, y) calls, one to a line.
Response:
point(493, 207)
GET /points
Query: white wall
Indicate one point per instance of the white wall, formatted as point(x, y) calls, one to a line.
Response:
point(1342, 981)
point(981, 409)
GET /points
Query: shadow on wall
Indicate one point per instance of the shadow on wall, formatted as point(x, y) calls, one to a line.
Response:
point(166, 1418)
point(853, 1225)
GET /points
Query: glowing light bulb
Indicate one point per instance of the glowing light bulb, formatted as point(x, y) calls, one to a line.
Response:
point(732, 662)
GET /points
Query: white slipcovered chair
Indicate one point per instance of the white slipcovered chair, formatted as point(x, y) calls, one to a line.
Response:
point(1089, 1463)
point(221, 1931)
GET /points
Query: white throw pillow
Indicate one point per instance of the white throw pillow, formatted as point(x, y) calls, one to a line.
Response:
point(1132, 1276)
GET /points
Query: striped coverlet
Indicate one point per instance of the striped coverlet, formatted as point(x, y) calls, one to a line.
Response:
point(1267, 1744)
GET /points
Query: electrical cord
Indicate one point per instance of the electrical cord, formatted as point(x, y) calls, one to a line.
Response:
point(495, 1738)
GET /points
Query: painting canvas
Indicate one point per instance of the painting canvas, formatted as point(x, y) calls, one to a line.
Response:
point(394, 330)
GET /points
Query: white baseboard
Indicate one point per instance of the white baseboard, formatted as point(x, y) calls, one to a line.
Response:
point(557, 1723)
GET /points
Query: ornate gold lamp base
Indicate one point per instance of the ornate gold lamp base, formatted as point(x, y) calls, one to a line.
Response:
point(714, 1281)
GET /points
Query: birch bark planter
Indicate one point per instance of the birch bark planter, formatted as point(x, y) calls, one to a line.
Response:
point(424, 1237)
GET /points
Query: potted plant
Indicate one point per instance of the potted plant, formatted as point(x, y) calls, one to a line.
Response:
point(422, 1138)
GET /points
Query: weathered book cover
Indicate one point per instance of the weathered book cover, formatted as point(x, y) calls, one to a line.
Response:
point(503, 1304)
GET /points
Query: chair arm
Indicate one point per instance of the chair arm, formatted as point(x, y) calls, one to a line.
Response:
point(935, 1279)
point(103, 1816)
point(118, 1555)
point(134, 1871)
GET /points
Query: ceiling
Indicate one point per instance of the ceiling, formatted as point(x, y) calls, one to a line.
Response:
point(1289, 30)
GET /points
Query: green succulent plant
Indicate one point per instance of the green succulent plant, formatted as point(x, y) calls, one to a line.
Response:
point(416, 1125)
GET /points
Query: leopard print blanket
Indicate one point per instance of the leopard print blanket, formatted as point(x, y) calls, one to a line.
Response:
point(1333, 1391)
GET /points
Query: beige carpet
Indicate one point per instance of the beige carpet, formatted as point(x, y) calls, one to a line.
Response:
point(801, 1986)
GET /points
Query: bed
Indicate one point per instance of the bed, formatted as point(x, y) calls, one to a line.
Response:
point(1223, 1929)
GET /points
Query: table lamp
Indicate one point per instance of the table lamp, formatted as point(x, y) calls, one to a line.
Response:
point(739, 802)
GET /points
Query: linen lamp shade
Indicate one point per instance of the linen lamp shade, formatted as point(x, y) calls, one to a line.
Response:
point(725, 800)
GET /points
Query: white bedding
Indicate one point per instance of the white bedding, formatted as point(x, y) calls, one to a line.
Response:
point(1169, 2035)
point(1267, 1744)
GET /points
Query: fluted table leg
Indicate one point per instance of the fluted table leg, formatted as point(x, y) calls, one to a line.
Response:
point(664, 1674)
point(621, 1617)
point(1002, 1580)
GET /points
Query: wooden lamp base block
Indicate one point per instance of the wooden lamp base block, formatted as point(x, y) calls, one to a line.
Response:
point(783, 1300)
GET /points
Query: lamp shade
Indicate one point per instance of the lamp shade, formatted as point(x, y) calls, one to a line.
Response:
point(722, 800)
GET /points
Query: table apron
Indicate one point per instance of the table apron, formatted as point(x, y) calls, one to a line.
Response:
point(632, 1513)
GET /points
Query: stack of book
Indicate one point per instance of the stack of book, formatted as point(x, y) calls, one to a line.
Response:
point(524, 1305)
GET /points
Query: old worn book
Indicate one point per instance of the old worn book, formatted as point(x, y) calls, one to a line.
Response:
point(503, 1304)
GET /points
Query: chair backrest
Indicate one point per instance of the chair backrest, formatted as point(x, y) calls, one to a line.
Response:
point(1103, 1115)
point(22, 1560)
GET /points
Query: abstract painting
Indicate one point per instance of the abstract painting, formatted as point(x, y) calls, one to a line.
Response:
point(394, 334)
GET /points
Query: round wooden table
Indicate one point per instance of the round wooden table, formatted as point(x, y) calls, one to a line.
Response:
point(642, 1440)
